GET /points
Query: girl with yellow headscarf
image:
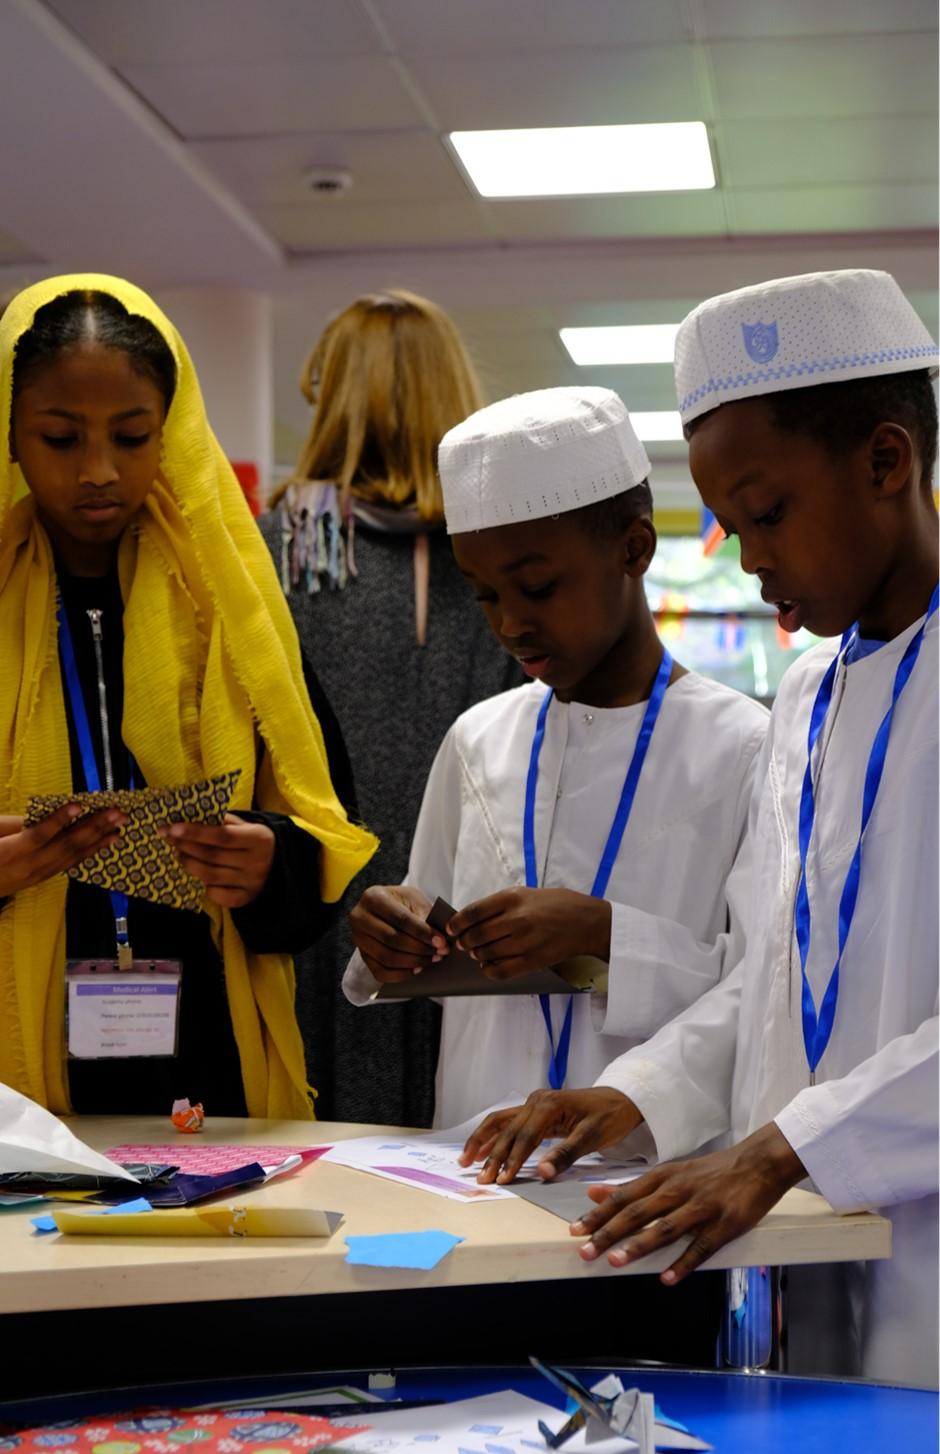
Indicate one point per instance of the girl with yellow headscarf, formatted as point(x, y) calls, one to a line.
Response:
point(119, 509)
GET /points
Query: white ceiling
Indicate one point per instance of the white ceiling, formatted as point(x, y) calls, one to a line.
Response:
point(201, 117)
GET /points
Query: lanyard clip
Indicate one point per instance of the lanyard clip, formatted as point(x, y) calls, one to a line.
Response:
point(125, 957)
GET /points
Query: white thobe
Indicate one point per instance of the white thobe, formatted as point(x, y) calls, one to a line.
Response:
point(867, 1130)
point(676, 890)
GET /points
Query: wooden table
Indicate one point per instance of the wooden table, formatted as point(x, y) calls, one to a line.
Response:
point(504, 1241)
point(133, 1311)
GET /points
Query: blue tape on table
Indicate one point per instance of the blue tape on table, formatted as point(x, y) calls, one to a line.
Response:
point(422, 1250)
point(139, 1204)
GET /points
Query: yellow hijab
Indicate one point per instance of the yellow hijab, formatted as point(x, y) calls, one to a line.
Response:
point(210, 656)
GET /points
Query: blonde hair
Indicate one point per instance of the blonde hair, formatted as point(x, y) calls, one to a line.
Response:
point(387, 378)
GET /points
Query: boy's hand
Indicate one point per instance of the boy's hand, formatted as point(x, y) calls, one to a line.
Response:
point(712, 1199)
point(233, 859)
point(389, 930)
point(29, 856)
point(520, 930)
point(588, 1119)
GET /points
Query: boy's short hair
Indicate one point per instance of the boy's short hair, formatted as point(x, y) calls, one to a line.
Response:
point(842, 416)
point(606, 519)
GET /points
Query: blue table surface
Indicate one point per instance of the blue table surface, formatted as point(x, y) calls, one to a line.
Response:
point(744, 1413)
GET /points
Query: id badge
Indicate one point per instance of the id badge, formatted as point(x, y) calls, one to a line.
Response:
point(122, 1014)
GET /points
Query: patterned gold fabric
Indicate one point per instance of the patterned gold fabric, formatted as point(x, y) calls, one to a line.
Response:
point(141, 864)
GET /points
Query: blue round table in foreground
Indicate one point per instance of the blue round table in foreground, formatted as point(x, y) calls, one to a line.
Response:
point(738, 1413)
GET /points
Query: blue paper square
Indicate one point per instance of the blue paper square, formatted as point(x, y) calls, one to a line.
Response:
point(139, 1204)
point(421, 1250)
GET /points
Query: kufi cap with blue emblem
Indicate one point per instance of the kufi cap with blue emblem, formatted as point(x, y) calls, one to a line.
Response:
point(538, 454)
point(792, 333)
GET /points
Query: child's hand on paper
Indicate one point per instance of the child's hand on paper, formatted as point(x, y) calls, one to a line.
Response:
point(29, 856)
point(711, 1199)
point(389, 930)
point(517, 931)
point(233, 858)
point(587, 1119)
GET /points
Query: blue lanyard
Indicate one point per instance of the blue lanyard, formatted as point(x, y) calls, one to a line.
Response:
point(817, 1028)
point(558, 1064)
point(86, 748)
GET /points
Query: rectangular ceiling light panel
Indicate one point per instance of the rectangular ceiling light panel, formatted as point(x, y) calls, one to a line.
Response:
point(639, 343)
point(571, 161)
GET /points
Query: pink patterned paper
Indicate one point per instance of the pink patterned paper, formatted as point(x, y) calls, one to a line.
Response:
point(204, 1158)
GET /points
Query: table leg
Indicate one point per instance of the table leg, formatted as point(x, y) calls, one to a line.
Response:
point(753, 1325)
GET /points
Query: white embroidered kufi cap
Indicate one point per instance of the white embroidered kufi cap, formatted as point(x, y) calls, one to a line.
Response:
point(794, 332)
point(538, 454)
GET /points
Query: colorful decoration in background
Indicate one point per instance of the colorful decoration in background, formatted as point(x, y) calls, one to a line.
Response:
point(710, 612)
point(165, 1431)
point(730, 634)
point(712, 534)
point(669, 613)
point(247, 476)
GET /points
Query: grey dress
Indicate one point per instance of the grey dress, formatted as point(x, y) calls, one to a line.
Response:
point(395, 701)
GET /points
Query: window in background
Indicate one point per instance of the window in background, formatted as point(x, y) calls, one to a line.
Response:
point(712, 618)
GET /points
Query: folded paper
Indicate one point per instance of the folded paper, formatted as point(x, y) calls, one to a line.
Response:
point(210, 1222)
point(140, 863)
point(34, 1140)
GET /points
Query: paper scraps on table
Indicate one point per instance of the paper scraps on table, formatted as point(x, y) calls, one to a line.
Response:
point(212, 1432)
point(607, 1408)
point(186, 1118)
point(33, 1140)
point(421, 1250)
point(141, 863)
point(431, 1162)
point(495, 1423)
point(565, 1199)
point(301, 1398)
point(202, 1158)
point(138, 1205)
point(209, 1222)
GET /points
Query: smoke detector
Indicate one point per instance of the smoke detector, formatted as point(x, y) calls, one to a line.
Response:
point(327, 181)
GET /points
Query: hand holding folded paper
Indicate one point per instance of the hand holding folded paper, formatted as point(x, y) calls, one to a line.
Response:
point(141, 863)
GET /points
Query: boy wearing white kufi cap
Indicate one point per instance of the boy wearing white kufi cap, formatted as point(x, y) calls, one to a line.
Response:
point(813, 429)
point(550, 518)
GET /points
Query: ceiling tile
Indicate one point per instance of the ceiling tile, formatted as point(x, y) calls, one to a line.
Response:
point(659, 214)
point(216, 31)
point(386, 166)
point(728, 19)
point(833, 76)
point(809, 151)
point(834, 209)
point(348, 93)
point(348, 224)
point(462, 26)
point(548, 88)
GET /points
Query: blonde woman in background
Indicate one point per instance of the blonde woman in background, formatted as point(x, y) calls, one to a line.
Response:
point(394, 634)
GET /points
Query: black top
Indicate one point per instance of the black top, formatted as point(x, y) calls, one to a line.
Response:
point(286, 917)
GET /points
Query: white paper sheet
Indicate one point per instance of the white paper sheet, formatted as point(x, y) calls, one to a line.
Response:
point(32, 1139)
point(430, 1162)
point(498, 1423)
